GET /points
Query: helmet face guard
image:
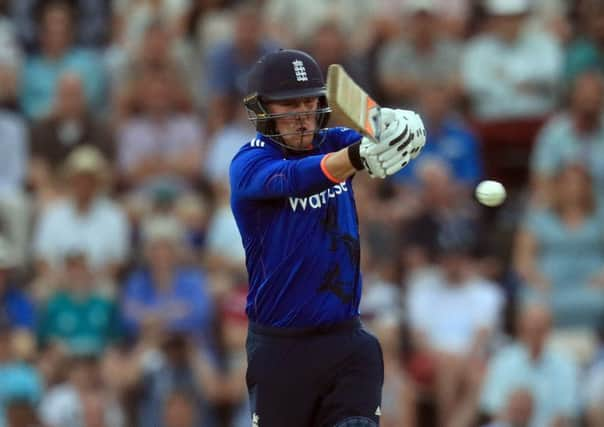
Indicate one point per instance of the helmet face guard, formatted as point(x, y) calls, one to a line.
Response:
point(280, 76)
point(265, 123)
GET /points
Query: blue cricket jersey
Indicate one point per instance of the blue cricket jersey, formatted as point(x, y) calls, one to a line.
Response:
point(300, 233)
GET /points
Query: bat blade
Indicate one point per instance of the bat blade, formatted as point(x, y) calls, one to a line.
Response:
point(351, 106)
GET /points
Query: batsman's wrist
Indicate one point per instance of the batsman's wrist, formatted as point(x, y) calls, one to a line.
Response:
point(354, 155)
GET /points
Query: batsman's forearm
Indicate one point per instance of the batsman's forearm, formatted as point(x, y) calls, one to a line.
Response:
point(337, 165)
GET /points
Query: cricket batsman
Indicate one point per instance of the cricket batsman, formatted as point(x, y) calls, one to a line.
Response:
point(310, 362)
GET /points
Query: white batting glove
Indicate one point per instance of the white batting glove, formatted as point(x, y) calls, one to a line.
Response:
point(401, 140)
point(386, 163)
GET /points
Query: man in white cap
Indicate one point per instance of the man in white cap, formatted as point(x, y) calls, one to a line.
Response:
point(420, 56)
point(510, 72)
point(84, 219)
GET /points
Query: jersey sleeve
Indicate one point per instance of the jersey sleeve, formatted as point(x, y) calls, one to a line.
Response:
point(263, 174)
point(343, 137)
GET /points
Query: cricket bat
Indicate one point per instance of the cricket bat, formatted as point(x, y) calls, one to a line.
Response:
point(350, 106)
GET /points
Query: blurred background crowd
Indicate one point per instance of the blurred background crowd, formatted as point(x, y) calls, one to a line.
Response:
point(122, 280)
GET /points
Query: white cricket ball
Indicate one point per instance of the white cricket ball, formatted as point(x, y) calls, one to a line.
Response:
point(490, 193)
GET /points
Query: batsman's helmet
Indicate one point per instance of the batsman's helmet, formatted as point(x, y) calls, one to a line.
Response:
point(281, 75)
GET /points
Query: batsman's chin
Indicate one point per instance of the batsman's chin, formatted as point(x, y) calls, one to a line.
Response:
point(301, 141)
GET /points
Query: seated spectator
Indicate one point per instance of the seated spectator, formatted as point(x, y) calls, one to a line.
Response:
point(69, 125)
point(229, 62)
point(449, 140)
point(165, 366)
point(91, 28)
point(79, 315)
point(292, 22)
point(586, 53)
point(530, 364)
point(421, 56)
point(525, 64)
point(455, 14)
point(517, 411)
point(20, 381)
point(132, 18)
point(57, 55)
point(84, 219)
point(165, 294)
point(158, 50)
point(559, 252)
point(329, 45)
point(15, 304)
point(14, 206)
point(454, 313)
point(68, 404)
point(162, 145)
point(573, 135)
point(440, 202)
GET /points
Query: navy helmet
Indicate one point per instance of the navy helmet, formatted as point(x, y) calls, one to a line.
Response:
point(282, 75)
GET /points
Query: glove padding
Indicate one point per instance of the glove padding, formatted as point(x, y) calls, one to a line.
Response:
point(402, 138)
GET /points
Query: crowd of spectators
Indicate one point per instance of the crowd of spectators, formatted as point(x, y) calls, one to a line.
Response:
point(122, 278)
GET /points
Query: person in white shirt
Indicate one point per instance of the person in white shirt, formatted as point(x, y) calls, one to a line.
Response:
point(531, 363)
point(85, 219)
point(511, 71)
point(453, 315)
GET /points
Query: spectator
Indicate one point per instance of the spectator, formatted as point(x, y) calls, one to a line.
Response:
point(20, 381)
point(14, 206)
point(57, 55)
point(229, 62)
point(440, 202)
point(79, 315)
point(454, 13)
point(453, 315)
point(68, 404)
point(572, 136)
point(518, 410)
point(90, 29)
point(292, 22)
point(559, 251)
point(530, 364)
point(15, 304)
point(329, 45)
point(586, 52)
point(421, 56)
point(162, 145)
point(158, 50)
point(525, 64)
point(132, 18)
point(164, 369)
point(70, 125)
point(449, 140)
point(164, 293)
point(85, 219)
